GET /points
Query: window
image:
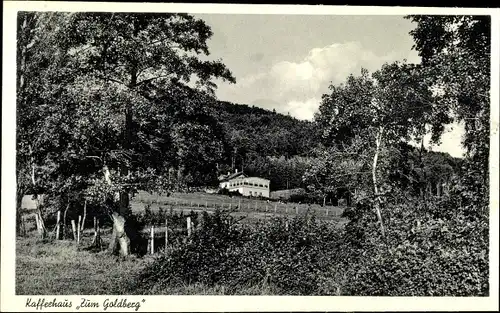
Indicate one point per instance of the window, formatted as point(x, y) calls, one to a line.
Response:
point(260, 185)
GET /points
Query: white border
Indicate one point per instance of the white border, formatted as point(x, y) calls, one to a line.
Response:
point(9, 301)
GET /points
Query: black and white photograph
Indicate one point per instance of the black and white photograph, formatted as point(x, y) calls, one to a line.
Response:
point(235, 151)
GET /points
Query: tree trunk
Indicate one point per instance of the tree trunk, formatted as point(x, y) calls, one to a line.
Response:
point(58, 225)
point(19, 203)
point(96, 242)
point(119, 236)
point(423, 173)
point(41, 224)
point(82, 226)
point(378, 141)
point(65, 229)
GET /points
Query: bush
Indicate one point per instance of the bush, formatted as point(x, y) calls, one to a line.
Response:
point(288, 256)
point(227, 192)
point(433, 249)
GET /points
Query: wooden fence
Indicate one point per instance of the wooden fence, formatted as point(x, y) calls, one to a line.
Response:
point(241, 206)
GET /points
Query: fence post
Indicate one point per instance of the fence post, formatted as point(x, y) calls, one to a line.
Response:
point(82, 225)
point(297, 210)
point(206, 204)
point(78, 229)
point(73, 228)
point(188, 221)
point(57, 224)
point(275, 207)
point(152, 239)
point(326, 211)
point(23, 226)
point(239, 204)
point(286, 208)
point(97, 234)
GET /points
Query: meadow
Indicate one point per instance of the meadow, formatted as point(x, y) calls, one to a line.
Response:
point(295, 254)
point(253, 208)
point(75, 269)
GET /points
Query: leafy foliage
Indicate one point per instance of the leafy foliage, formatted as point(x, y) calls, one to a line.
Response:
point(290, 257)
point(433, 250)
point(456, 51)
point(114, 90)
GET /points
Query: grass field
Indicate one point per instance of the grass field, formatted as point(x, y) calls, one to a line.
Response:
point(60, 268)
point(74, 270)
point(242, 206)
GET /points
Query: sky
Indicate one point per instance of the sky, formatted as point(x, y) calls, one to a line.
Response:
point(287, 62)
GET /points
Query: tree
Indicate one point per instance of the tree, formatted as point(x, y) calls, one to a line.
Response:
point(334, 172)
point(394, 104)
point(42, 76)
point(127, 76)
point(456, 50)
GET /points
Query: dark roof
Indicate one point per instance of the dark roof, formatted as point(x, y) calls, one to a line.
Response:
point(231, 176)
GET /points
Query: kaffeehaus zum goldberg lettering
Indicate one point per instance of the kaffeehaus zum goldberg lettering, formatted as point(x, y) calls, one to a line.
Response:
point(123, 303)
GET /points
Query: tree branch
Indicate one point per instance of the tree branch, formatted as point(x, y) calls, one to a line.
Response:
point(111, 79)
point(151, 79)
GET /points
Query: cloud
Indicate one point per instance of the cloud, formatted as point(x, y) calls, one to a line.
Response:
point(303, 109)
point(298, 86)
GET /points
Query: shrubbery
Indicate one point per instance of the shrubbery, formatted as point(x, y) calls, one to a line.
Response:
point(286, 256)
point(227, 192)
point(433, 249)
point(157, 218)
point(436, 249)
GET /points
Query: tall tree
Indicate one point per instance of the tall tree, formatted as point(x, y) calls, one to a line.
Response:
point(129, 79)
point(456, 50)
point(393, 104)
point(147, 56)
point(42, 76)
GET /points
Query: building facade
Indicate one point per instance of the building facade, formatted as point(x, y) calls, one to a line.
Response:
point(247, 186)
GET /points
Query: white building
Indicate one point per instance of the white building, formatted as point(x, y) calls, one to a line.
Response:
point(247, 186)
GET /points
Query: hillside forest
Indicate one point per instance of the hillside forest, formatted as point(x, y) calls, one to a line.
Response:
point(112, 103)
